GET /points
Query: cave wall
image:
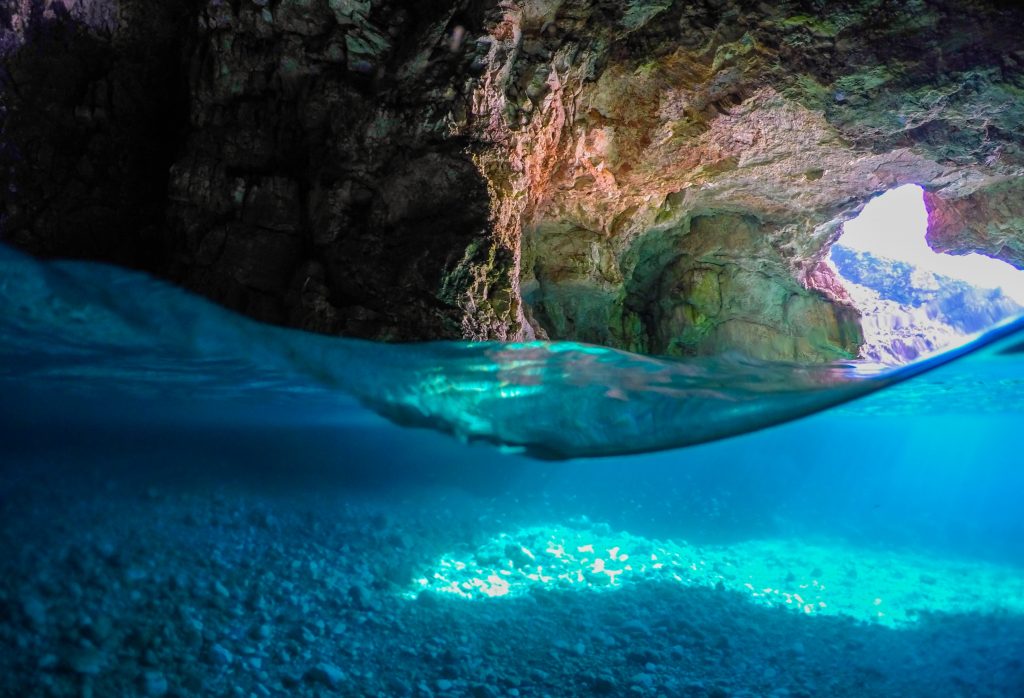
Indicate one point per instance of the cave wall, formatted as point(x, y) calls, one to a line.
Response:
point(632, 127)
point(706, 285)
point(327, 181)
point(988, 221)
point(306, 162)
point(92, 102)
point(658, 175)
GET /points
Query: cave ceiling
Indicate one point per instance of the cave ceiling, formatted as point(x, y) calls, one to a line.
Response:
point(660, 176)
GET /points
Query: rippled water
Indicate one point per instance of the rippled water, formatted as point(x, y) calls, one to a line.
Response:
point(871, 537)
point(110, 335)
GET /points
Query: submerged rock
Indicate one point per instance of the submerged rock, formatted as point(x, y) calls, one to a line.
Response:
point(604, 685)
point(34, 611)
point(220, 655)
point(154, 683)
point(85, 660)
point(326, 674)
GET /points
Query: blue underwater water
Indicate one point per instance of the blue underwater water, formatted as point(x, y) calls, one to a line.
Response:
point(196, 504)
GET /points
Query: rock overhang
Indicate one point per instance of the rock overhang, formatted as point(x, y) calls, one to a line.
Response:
point(793, 121)
point(592, 138)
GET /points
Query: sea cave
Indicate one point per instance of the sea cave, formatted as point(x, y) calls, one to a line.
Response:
point(511, 348)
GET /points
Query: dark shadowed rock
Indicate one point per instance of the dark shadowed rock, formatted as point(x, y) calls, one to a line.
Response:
point(88, 661)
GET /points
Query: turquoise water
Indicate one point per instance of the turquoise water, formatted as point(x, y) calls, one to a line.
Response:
point(195, 504)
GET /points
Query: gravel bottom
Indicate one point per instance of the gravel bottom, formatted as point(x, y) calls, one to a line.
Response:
point(110, 586)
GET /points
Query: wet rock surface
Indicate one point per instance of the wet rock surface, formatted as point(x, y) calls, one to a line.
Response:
point(111, 586)
point(570, 169)
point(988, 222)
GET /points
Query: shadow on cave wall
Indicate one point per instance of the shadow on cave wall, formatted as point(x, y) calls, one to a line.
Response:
point(90, 119)
point(295, 165)
point(321, 185)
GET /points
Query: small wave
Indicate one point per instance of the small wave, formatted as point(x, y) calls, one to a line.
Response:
point(99, 331)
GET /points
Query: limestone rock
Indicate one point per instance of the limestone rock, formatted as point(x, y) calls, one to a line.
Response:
point(784, 118)
point(658, 175)
point(989, 221)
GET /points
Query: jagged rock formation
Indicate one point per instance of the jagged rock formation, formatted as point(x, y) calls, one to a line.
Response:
point(323, 167)
point(658, 175)
point(988, 221)
point(665, 122)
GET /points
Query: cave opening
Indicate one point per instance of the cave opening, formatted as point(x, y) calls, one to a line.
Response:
point(913, 300)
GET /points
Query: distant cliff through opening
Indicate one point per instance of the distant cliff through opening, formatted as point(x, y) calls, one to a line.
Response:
point(914, 300)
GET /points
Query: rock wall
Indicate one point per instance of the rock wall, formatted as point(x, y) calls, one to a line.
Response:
point(659, 175)
point(92, 105)
point(644, 135)
point(306, 162)
point(989, 221)
point(327, 181)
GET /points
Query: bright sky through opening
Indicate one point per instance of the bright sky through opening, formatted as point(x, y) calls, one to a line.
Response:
point(893, 225)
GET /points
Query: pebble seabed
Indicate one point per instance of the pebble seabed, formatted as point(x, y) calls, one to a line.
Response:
point(110, 586)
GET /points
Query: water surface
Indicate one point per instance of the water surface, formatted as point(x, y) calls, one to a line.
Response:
point(195, 502)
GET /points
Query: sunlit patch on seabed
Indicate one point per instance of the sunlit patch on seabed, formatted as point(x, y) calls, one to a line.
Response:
point(890, 587)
